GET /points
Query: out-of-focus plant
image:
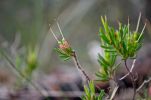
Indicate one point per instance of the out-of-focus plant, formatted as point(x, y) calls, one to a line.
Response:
point(24, 73)
point(90, 93)
point(32, 63)
point(27, 65)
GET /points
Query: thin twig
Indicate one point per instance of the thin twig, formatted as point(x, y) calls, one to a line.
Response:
point(50, 30)
point(133, 65)
point(138, 22)
point(142, 32)
point(132, 79)
point(20, 74)
point(60, 31)
point(79, 67)
point(114, 92)
point(113, 87)
point(145, 82)
point(143, 28)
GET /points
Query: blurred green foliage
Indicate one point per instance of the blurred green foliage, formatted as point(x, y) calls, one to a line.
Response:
point(27, 65)
point(90, 93)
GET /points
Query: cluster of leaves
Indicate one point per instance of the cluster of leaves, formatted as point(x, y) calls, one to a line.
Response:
point(65, 51)
point(90, 93)
point(121, 42)
point(108, 66)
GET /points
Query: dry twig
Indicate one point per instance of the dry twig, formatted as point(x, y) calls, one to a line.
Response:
point(145, 82)
point(133, 65)
point(79, 67)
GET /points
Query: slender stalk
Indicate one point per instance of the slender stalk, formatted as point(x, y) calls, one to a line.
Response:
point(138, 22)
point(50, 30)
point(133, 65)
point(132, 79)
point(114, 93)
point(141, 32)
point(20, 74)
point(145, 82)
point(79, 67)
point(60, 31)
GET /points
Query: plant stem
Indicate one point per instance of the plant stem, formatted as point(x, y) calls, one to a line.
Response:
point(79, 67)
point(145, 82)
point(133, 65)
point(114, 93)
point(132, 79)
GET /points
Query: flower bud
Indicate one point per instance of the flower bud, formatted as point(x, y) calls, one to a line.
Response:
point(64, 45)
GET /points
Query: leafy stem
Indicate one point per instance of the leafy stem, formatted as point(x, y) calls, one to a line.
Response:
point(66, 52)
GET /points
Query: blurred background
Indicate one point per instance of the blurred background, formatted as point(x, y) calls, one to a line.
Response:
point(25, 37)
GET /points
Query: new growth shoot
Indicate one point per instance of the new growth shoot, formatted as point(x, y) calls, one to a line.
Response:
point(66, 52)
